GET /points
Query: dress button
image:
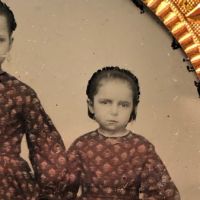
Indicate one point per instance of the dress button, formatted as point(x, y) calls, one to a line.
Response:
point(121, 191)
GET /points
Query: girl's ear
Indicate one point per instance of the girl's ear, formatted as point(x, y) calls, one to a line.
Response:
point(11, 43)
point(90, 106)
point(134, 114)
point(135, 110)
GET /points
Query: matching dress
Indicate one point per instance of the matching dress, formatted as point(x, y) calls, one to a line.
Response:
point(117, 168)
point(22, 114)
point(105, 168)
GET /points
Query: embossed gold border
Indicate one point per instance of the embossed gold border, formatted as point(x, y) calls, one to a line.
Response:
point(182, 19)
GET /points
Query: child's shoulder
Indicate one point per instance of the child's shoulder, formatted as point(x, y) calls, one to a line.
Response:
point(88, 136)
point(85, 139)
point(19, 86)
point(139, 139)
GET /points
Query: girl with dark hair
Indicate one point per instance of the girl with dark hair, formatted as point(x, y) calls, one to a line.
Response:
point(113, 162)
point(21, 113)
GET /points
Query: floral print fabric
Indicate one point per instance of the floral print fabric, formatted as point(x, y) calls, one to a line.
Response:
point(121, 168)
point(22, 114)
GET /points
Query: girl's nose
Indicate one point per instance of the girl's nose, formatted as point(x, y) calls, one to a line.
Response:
point(114, 109)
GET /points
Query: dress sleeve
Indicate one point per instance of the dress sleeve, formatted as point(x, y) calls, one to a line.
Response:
point(156, 183)
point(46, 148)
point(73, 175)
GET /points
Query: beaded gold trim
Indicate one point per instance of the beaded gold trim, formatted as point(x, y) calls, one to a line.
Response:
point(182, 19)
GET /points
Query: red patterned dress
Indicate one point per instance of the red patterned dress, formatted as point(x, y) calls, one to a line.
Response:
point(22, 114)
point(117, 168)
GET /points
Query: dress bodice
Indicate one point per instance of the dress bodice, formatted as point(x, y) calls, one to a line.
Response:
point(117, 168)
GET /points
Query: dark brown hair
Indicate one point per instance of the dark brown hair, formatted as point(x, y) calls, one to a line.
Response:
point(111, 72)
point(7, 12)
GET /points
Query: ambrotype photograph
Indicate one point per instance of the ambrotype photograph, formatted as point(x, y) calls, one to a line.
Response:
point(99, 100)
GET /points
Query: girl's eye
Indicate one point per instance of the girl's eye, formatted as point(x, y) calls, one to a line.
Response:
point(105, 102)
point(125, 105)
point(2, 39)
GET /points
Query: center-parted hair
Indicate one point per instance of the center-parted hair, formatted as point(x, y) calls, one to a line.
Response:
point(7, 12)
point(111, 72)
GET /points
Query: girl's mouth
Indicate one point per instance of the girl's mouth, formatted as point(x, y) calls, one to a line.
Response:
point(112, 121)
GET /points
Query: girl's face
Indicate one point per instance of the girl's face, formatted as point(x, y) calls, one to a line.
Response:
point(5, 39)
point(112, 105)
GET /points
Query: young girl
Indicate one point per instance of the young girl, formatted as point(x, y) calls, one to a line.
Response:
point(113, 162)
point(21, 113)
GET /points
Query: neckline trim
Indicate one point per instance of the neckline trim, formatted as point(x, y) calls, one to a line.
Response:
point(128, 132)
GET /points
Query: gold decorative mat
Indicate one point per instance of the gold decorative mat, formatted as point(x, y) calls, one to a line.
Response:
point(182, 19)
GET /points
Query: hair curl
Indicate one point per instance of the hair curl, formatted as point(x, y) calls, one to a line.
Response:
point(113, 72)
